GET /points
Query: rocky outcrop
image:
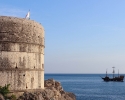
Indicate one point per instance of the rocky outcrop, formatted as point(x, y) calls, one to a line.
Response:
point(53, 91)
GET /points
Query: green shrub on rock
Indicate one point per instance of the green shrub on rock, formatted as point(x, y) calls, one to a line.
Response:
point(4, 90)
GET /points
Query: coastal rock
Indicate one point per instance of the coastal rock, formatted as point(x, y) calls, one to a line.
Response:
point(53, 91)
point(52, 84)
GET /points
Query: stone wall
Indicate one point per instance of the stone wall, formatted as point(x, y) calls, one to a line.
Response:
point(21, 53)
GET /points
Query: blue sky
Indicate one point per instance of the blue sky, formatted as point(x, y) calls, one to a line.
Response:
point(81, 36)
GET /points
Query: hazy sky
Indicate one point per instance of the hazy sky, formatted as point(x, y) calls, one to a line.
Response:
point(81, 36)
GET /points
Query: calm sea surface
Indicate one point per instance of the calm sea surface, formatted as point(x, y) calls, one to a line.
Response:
point(90, 86)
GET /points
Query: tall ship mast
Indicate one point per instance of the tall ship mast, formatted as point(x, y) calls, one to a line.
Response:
point(113, 71)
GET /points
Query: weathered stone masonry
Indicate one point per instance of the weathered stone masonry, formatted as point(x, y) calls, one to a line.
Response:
point(21, 53)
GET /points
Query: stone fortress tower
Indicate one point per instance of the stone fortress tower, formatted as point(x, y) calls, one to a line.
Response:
point(21, 53)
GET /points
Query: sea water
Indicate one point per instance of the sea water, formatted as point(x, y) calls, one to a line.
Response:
point(90, 86)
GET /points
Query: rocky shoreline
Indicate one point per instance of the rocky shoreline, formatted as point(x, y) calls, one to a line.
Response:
point(53, 91)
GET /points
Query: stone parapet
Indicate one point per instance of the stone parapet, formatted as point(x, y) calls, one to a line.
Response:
point(15, 29)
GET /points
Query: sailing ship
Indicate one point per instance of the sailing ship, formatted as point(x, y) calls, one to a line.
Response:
point(118, 78)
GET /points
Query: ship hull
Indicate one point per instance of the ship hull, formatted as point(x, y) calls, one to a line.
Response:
point(117, 79)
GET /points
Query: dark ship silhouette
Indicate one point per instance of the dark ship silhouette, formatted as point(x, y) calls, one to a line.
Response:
point(117, 79)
